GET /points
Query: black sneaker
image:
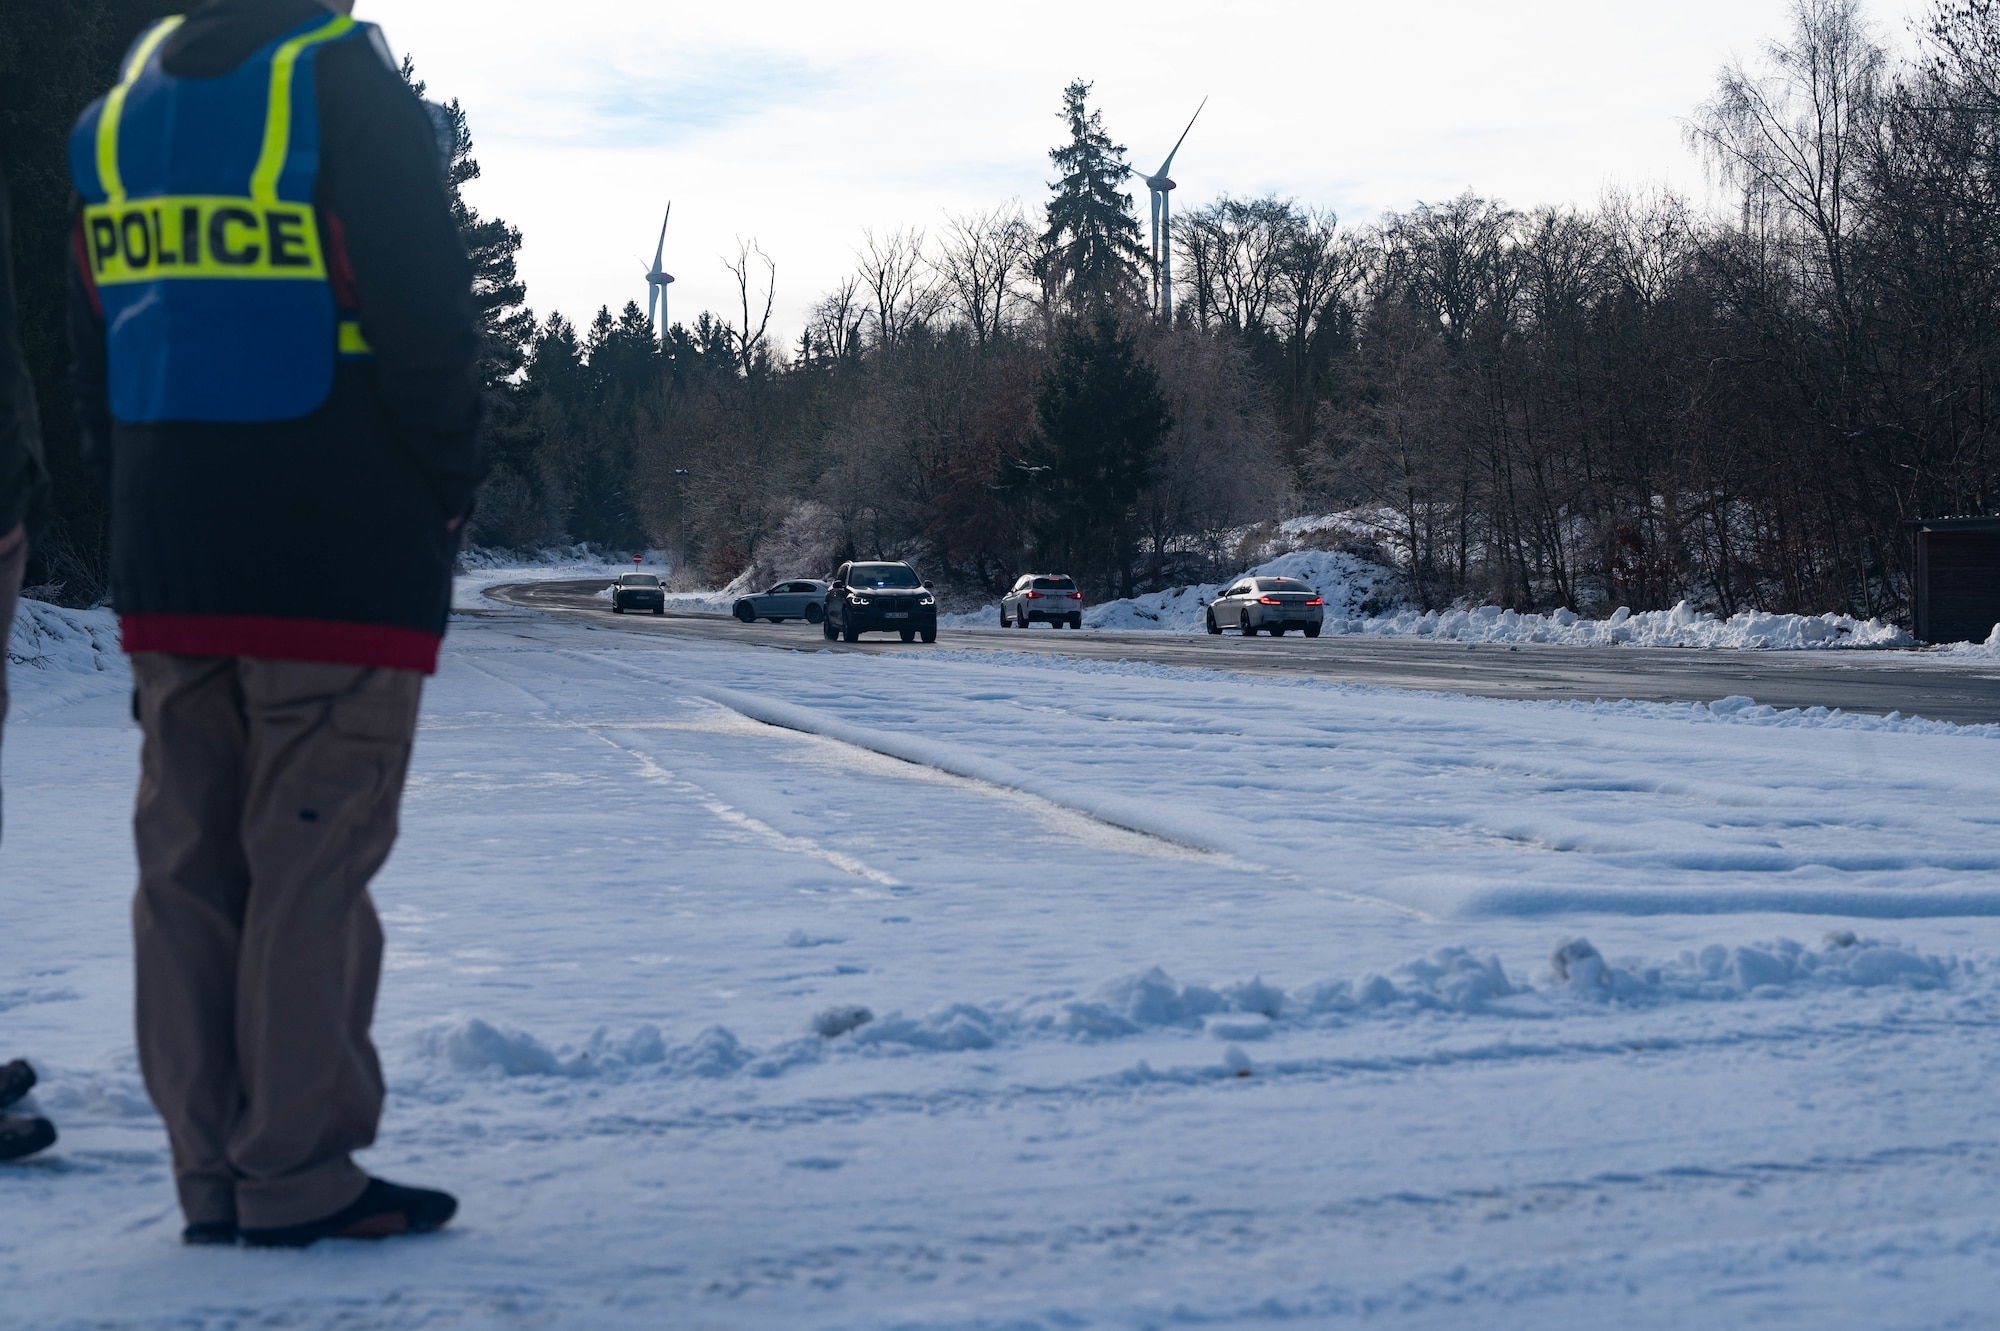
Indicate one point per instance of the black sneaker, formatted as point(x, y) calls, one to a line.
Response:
point(209, 1233)
point(20, 1135)
point(383, 1210)
point(16, 1080)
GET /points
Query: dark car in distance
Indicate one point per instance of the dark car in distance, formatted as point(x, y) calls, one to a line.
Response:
point(879, 596)
point(638, 591)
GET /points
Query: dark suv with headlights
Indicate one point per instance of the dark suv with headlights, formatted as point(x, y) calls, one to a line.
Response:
point(638, 591)
point(879, 597)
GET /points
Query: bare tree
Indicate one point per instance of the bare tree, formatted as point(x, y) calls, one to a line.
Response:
point(985, 257)
point(1230, 249)
point(898, 281)
point(835, 327)
point(1794, 133)
point(1311, 268)
point(750, 347)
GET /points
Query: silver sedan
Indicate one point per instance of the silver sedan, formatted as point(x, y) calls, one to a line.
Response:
point(803, 598)
point(1274, 605)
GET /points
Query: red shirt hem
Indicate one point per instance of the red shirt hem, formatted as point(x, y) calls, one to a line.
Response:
point(329, 641)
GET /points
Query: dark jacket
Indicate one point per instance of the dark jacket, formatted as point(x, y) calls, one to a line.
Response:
point(324, 538)
point(24, 481)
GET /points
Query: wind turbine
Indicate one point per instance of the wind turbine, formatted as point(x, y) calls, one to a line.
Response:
point(657, 280)
point(1160, 184)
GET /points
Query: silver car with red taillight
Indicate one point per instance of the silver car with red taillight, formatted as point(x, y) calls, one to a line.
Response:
point(1048, 598)
point(1274, 605)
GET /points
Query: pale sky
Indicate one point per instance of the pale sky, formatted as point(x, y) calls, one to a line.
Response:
point(801, 124)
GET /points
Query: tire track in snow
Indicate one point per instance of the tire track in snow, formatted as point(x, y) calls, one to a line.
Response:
point(1172, 826)
point(728, 813)
point(717, 807)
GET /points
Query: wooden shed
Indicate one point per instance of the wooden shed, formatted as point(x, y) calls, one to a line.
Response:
point(1957, 578)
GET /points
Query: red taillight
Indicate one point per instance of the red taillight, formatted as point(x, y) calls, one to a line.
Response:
point(1316, 601)
point(1076, 596)
point(1034, 596)
point(1269, 600)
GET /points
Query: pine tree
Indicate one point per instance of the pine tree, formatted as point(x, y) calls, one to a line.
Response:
point(1102, 418)
point(517, 505)
point(506, 324)
point(1092, 239)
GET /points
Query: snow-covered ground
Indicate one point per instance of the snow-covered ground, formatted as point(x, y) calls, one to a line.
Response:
point(1356, 590)
point(737, 988)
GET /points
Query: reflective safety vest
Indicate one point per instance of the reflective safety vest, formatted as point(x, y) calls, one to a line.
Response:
point(200, 232)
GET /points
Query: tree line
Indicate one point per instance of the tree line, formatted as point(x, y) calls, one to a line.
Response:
point(1628, 404)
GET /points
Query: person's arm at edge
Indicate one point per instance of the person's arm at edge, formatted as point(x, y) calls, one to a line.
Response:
point(24, 477)
point(384, 188)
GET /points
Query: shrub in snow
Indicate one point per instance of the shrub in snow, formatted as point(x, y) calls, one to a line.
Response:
point(837, 1021)
point(1579, 967)
point(48, 637)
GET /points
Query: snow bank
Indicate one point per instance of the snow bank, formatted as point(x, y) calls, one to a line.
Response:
point(1990, 649)
point(1682, 626)
point(78, 642)
point(1451, 981)
point(478, 1047)
point(1772, 970)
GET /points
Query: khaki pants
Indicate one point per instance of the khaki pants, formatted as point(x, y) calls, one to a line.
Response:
point(267, 800)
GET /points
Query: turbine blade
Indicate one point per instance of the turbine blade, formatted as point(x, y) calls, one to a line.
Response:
point(661, 249)
point(1183, 138)
point(653, 309)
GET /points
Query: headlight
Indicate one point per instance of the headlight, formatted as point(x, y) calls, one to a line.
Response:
point(858, 600)
point(926, 600)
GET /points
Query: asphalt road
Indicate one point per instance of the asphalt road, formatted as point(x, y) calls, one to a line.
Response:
point(1876, 682)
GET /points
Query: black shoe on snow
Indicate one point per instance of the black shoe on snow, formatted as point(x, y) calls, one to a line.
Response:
point(383, 1210)
point(16, 1080)
point(209, 1233)
point(20, 1135)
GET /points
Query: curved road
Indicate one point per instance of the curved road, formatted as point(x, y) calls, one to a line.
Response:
point(1855, 681)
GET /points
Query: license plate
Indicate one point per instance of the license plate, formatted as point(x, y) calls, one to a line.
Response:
point(897, 614)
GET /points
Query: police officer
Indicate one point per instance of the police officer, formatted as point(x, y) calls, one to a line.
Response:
point(275, 345)
point(23, 484)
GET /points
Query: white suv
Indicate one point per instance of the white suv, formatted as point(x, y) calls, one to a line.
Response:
point(1049, 597)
